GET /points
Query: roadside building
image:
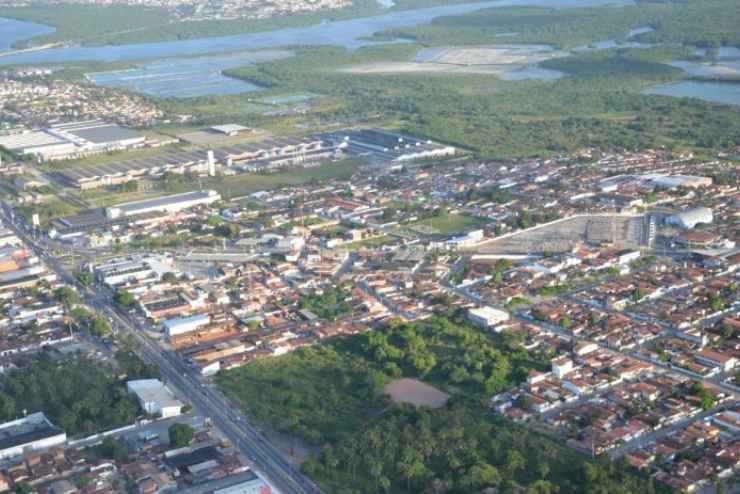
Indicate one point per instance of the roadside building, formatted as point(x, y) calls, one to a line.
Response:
point(155, 398)
point(181, 325)
point(166, 204)
point(250, 485)
point(690, 218)
point(487, 317)
point(31, 433)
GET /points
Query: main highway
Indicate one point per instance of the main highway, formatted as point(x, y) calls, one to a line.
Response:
point(181, 378)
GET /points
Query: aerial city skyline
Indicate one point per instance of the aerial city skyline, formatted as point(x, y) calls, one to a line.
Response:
point(364, 246)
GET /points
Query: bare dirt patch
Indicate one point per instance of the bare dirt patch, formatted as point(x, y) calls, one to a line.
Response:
point(416, 393)
point(495, 59)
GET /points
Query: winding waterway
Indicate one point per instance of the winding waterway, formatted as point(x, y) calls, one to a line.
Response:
point(347, 33)
point(351, 34)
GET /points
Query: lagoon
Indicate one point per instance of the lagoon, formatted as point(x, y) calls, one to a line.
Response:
point(714, 92)
point(12, 30)
point(347, 33)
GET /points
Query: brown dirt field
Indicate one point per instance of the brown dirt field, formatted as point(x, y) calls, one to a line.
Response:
point(416, 393)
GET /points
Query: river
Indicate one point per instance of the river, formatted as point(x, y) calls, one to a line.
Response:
point(351, 34)
point(12, 30)
point(347, 33)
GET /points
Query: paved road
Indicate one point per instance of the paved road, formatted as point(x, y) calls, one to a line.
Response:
point(656, 434)
point(245, 437)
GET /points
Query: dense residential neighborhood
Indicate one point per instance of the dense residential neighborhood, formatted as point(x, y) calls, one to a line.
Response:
point(383, 247)
point(637, 313)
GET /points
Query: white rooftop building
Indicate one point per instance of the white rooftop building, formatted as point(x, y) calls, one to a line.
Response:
point(166, 204)
point(134, 269)
point(690, 218)
point(155, 398)
point(31, 433)
point(230, 129)
point(487, 317)
point(65, 140)
point(673, 181)
point(181, 325)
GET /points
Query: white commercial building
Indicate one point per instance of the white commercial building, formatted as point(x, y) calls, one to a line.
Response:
point(166, 204)
point(628, 256)
point(230, 129)
point(155, 398)
point(487, 317)
point(673, 181)
point(467, 240)
point(31, 433)
point(183, 325)
point(690, 218)
point(561, 366)
point(118, 272)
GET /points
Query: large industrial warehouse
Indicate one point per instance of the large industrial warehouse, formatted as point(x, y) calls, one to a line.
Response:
point(391, 147)
point(72, 140)
point(119, 172)
point(166, 204)
point(276, 153)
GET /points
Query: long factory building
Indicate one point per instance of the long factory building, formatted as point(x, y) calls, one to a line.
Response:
point(166, 204)
point(257, 157)
point(390, 147)
point(72, 140)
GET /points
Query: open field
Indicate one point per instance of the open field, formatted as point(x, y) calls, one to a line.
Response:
point(429, 67)
point(416, 393)
point(230, 187)
point(205, 137)
point(447, 224)
point(248, 183)
point(597, 104)
point(368, 243)
point(319, 394)
point(485, 59)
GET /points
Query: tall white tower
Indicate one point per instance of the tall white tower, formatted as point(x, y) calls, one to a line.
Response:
point(211, 164)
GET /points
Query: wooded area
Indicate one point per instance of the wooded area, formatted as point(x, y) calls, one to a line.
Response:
point(80, 395)
point(332, 395)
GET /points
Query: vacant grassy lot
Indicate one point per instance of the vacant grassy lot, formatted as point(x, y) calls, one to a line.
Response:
point(447, 224)
point(320, 393)
point(230, 187)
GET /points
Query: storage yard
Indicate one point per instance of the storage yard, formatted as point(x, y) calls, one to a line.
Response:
point(564, 235)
